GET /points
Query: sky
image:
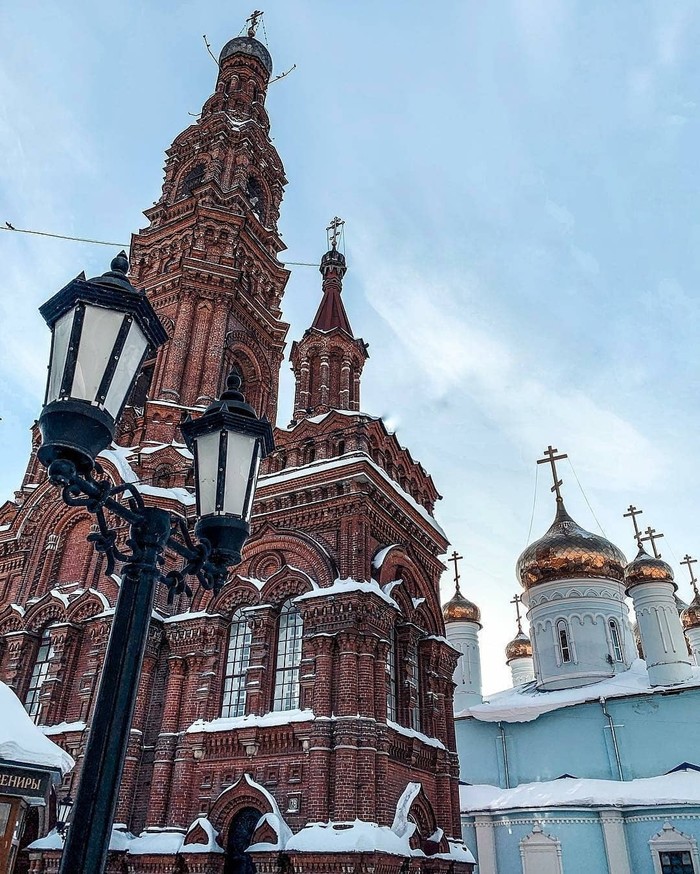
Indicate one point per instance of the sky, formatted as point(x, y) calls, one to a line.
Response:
point(519, 181)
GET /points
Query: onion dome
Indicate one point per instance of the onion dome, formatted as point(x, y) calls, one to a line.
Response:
point(247, 45)
point(461, 609)
point(690, 617)
point(519, 647)
point(568, 551)
point(645, 569)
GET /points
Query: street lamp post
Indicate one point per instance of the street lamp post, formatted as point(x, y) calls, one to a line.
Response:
point(102, 331)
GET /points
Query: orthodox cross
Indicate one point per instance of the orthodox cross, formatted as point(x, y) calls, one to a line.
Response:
point(687, 560)
point(455, 558)
point(333, 231)
point(632, 513)
point(253, 22)
point(653, 537)
point(551, 457)
point(517, 600)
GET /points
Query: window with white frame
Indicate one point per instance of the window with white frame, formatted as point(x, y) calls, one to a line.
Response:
point(237, 661)
point(540, 853)
point(40, 671)
point(289, 635)
point(615, 640)
point(674, 852)
point(563, 641)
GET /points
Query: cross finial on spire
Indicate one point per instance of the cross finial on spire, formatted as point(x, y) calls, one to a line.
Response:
point(687, 560)
point(253, 21)
point(653, 537)
point(333, 231)
point(455, 557)
point(551, 457)
point(632, 513)
point(517, 600)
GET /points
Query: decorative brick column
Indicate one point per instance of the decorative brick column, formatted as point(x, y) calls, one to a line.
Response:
point(166, 744)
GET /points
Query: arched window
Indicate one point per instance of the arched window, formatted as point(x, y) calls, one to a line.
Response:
point(391, 686)
point(191, 180)
point(289, 635)
point(237, 661)
point(309, 453)
point(615, 640)
point(341, 447)
point(255, 197)
point(563, 641)
point(40, 671)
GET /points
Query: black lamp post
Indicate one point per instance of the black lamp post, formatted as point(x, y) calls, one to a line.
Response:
point(63, 809)
point(102, 331)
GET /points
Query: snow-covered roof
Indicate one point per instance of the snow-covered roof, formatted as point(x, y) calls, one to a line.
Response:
point(525, 703)
point(119, 457)
point(23, 742)
point(156, 843)
point(316, 420)
point(210, 843)
point(342, 587)
point(677, 788)
point(292, 473)
point(418, 735)
point(119, 840)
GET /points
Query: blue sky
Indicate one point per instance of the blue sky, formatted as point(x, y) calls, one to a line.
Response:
point(520, 185)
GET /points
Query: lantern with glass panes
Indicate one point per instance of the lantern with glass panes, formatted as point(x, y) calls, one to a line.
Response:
point(102, 331)
point(63, 809)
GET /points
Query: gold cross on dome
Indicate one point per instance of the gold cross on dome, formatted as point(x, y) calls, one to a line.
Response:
point(333, 231)
point(517, 600)
point(455, 557)
point(653, 537)
point(253, 22)
point(632, 513)
point(551, 457)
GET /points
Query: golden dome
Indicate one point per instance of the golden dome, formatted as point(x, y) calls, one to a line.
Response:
point(690, 617)
point(645, 569)
point(519, 647)
point(461, 609)
point(566, 551)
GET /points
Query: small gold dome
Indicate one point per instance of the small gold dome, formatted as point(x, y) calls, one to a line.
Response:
point(519, 648)
point(461, 609)
point(566, 551)
point(690, 617)
point(645, 569)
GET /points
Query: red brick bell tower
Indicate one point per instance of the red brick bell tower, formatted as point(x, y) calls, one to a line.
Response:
point(304, 713)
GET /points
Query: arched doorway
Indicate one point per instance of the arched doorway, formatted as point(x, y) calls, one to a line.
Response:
point(240, 833)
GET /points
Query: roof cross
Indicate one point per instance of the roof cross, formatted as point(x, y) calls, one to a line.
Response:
point(333, 231)
point(653, 537)
point(517, 600)
point(455, 557)
point(551, 457)
point(633, 512)
point(253, 21)
point(687, 560)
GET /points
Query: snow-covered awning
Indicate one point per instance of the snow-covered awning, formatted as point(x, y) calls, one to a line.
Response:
point(22, 742)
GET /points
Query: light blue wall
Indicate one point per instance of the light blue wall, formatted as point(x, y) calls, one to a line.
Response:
point(655, 733)
point(582, 843)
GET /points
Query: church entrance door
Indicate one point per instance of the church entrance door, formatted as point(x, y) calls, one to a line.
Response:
point(239, 836)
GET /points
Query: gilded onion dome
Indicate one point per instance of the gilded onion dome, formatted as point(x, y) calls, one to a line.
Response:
point(567, 551)
point(690, 617)
point(645, 569)
point(461, 609)
point(520, 647)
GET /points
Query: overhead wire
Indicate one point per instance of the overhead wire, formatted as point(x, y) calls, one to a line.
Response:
point(585, 497)
point(534, 501)
point(10, 228)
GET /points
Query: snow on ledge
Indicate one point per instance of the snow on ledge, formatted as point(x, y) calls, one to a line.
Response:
point(525, 703)
point(230, 723)
point(411, 732)
point(160, 843)
point(341, 587)
point(210, 846)
point(677, 788)
point(62, 727)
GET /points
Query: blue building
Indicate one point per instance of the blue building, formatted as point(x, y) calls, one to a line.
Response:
point(591, 762)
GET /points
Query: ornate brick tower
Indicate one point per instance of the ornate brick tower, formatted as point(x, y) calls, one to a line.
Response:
point(301, 720)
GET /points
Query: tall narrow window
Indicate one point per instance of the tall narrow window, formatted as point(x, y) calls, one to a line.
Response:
point(237, 660)
point(676, 863)
point(40, 671)
point(391, 678)
point(289, 636)
point(563, 639)
point(415, 712)
point(615, 640)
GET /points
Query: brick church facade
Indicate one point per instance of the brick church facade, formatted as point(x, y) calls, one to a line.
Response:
point(301, 719)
